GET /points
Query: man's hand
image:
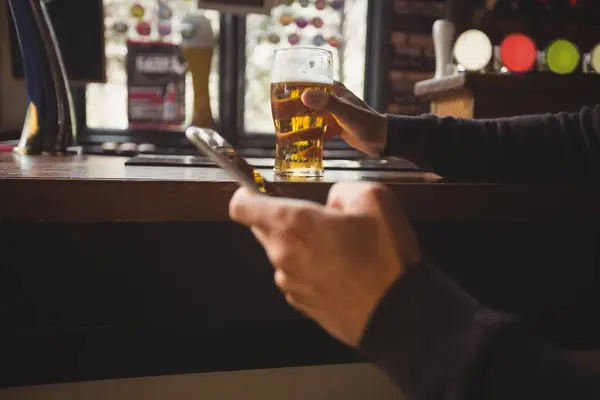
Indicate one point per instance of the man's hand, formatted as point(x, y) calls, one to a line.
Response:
point(351, 118)
point(335, 262)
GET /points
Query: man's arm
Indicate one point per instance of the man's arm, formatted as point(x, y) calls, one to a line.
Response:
point(437, 343)
point(562, 147)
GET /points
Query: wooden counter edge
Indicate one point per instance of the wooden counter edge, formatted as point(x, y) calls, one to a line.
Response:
point(196, 201)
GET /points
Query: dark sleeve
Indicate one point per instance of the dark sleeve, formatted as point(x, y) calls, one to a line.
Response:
point(563, 147)
point(437, 343)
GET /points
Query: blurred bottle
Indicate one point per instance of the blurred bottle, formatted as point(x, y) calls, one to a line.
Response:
point(197, 46)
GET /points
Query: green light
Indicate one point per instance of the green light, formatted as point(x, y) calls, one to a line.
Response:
point(595, 58)
point(562, 56)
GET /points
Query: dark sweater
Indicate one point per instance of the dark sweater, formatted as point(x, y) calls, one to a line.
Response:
point(538, 148)
point(434, 340)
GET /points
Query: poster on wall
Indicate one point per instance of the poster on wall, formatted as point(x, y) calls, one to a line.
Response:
point(155, 85)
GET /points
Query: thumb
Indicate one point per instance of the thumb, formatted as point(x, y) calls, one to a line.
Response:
point(355, 121)
point(323, 101)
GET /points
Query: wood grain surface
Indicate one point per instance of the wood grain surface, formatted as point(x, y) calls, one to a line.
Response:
point(103, 189)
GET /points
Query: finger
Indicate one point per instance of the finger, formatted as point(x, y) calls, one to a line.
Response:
point(359, 144)
point(378, 201)
point(350, 117)
point(342, 91)
point(246, 207)
point(323, 101)
point(260, 235)
point(288, 284)
point(357, 196)
point(253, 209)
point(302, 304)
point(333, 128)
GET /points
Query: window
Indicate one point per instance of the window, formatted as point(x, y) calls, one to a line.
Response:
point(106, 103)
point(239, 78)
point(338, 26)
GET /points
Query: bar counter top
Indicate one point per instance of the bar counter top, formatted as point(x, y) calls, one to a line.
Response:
point(103, 189)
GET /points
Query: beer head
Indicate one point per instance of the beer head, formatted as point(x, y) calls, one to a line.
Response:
point(308, 65)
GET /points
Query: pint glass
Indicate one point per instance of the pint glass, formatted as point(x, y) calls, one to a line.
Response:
point(299, 129)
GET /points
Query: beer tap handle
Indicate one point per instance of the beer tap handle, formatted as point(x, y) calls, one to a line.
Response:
point(443, 35)
point(49, 121)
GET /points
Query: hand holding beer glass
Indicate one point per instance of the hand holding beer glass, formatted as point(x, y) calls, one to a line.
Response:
point(299, 130)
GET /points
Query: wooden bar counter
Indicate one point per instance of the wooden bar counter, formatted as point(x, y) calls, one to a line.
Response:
point(104, 189)
point(114, 271)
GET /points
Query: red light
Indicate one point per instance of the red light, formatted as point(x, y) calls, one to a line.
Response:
point(518, 52)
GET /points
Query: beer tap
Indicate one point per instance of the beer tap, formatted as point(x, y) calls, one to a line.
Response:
point(49, 126)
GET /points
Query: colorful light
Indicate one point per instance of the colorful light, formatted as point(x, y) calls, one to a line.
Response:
point(273, 38)
point(286, 19)
point(164, 11)
point(595, 58)
point(318, 40)
point(143, 28)
point(335, 41)
point(137, 10)
point(320, 4)
point(120, 27)
point(473, 50)
point(337, 4)
point(518, 52)
point(317, 22)
point(301, 22)
point(164, 28)
point(293, 39)
point(562, 57)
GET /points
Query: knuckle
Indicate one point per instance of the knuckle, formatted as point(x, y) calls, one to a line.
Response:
point(280, 257)
point(291, 300)
point(295, 222)
point(235, 209)
point(282, 280)
point(378, 192)
point(238, 206)
point(301, 216)
point(340, 189)
point(281, 214)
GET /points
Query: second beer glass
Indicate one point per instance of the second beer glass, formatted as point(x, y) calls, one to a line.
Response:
point(299, 129)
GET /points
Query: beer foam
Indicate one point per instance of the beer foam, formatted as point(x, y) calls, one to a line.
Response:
point(281, 76)
point(196, 31)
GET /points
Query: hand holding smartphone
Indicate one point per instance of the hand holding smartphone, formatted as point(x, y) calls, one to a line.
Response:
point(224, 155)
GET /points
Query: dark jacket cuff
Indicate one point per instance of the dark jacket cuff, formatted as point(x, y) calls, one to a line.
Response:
point(407, 137)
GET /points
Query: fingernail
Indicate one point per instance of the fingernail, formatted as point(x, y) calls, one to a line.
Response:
point(315, 99)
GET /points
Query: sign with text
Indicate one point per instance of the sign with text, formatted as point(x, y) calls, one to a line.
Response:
point(155, 85)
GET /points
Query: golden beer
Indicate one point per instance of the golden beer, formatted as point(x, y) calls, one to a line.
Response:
point(197, 45)
point(299, 129)
point(198, 62)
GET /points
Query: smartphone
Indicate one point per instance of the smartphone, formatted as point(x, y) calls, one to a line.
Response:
point(224, 155)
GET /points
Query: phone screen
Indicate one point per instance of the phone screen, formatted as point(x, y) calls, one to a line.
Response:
point(224, 155)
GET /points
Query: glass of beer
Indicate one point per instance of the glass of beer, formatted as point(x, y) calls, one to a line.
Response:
point(299, 130)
